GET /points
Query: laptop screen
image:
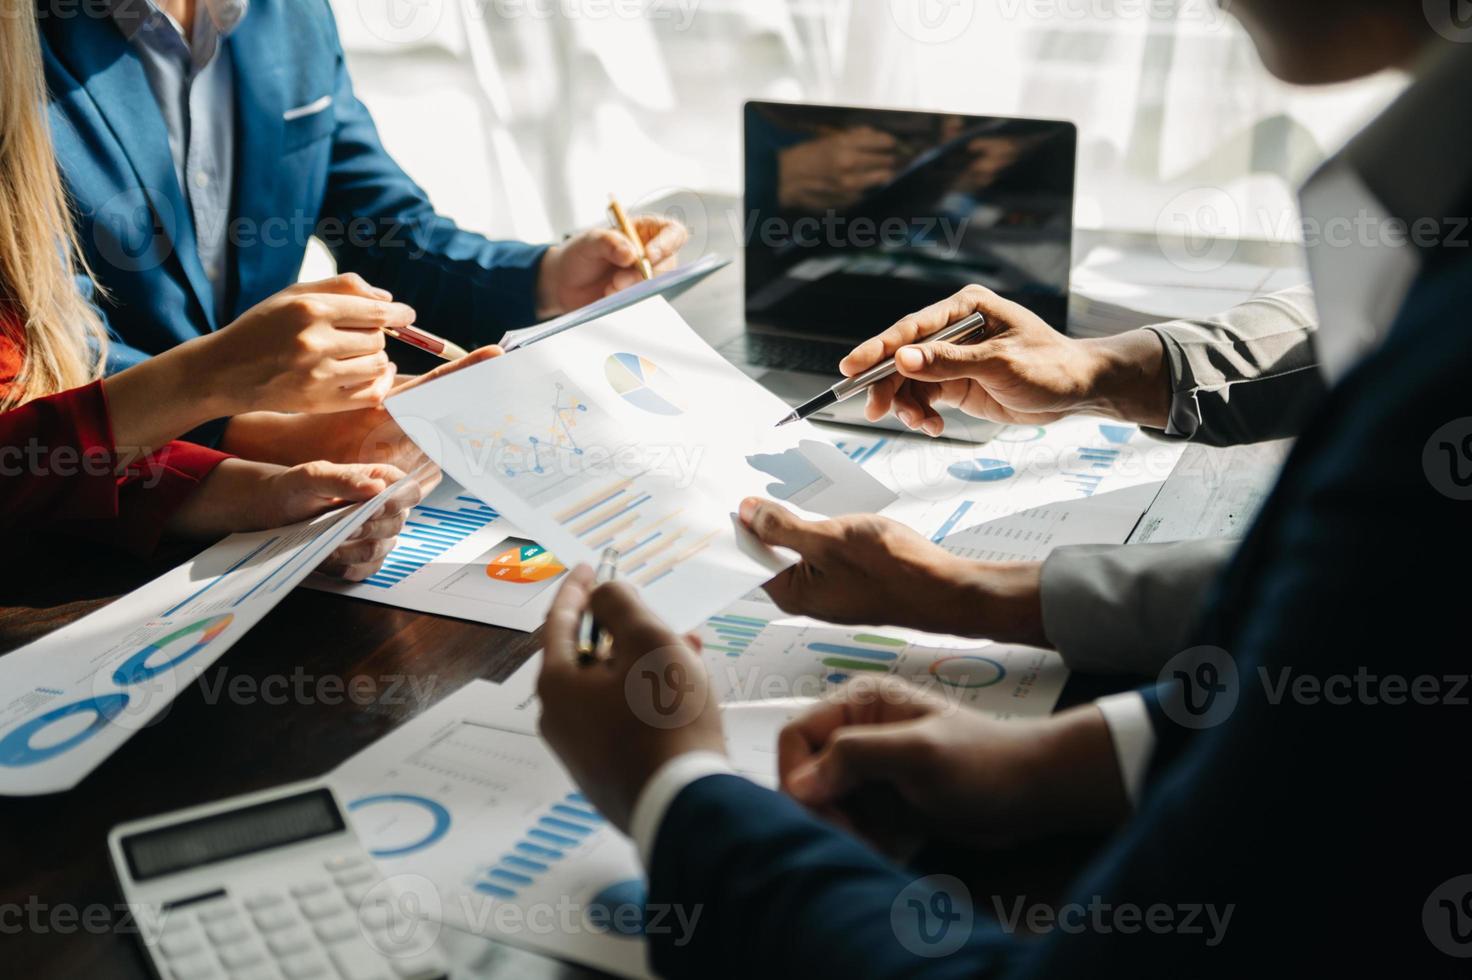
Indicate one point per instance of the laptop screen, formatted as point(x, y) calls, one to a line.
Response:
point(856, 217)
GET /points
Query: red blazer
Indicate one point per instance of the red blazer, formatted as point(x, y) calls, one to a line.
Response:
point(59, 466)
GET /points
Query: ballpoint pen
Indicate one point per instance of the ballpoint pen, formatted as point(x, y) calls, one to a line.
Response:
point(592, 641)
point(426, 341)
point(957, 333)
point(621, 219)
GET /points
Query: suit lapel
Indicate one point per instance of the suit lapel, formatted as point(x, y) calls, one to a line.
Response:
point(99, 55)
point(256, 54)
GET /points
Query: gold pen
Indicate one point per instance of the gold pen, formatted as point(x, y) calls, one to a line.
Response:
point(621, 220)
point(593, 642)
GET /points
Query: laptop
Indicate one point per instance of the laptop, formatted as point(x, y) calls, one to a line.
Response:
point(854, 218)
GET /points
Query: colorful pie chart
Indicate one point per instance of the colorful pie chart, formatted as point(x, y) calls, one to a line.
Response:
point(524, 564)
point(643, 384)
point(968, 672)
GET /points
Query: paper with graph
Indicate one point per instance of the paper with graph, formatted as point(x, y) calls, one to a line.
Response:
point(631, 432)
point(457, 556)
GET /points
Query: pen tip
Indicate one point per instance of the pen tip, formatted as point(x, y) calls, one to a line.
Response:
point(790, 417)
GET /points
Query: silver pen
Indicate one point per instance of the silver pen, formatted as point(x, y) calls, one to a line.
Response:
point(957, 333)
point(592, 641)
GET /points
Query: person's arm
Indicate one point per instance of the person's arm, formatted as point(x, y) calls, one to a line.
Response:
point(1246, 376)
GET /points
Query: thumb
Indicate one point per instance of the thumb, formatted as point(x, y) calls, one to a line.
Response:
point(476, 356)
point(941, 361)
point(854, 756)
point(777, 526)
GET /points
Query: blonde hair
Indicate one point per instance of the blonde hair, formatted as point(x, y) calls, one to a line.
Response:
point(39, 253)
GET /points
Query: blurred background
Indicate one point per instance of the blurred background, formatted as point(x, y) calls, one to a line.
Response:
point(520, 116)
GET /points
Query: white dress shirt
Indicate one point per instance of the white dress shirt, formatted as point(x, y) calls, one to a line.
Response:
point(194, 84)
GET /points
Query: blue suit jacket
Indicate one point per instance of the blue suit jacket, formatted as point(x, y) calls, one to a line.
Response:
point(322, 172)
point(1326, 823)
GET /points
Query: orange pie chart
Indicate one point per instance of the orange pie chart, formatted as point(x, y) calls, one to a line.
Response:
point(524, 564)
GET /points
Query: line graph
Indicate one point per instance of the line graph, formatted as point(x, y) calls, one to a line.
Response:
point(544, 447)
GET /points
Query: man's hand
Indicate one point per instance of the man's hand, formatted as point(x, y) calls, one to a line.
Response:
point(242, 495)
point(615, 722)
point(871, 570)
point(602, 261)
point(895, 762)
point(1023, 372)
point(314, 347)
point(365, 435)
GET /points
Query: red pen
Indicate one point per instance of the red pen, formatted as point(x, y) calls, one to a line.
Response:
point(426, 341)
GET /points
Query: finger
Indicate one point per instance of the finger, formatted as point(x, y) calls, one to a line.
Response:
point(623, 279)
point(351, 373)
point(618, 608)
point(869, 138)
point(785, 590)
point(774, 524)
point(943, 361)
point(349, 312)
point(803, 738)
point(378, 529)
point(854, 756)
point(349, 283)
point(662, 237)
point(923, 323)
point(477, 356)
point(881, 397)
point(914, 406)
point(614, 247)
point(370, 394)
point(560, 630)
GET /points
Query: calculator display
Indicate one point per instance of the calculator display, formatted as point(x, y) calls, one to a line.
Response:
point(260, 827)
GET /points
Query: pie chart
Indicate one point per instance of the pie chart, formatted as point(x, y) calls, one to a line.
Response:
point(967, 671)
point(524, 563)
point(981, 470)
point(643, 384)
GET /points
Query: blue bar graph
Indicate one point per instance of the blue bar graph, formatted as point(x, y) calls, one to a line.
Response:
point(862, 652)
point(862, 452)
point(428, 533)
point(951, 522)
point(564, 825)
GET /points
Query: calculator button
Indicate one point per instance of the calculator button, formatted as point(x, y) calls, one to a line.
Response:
point(421, 967)
point(356, 894)
point(194, 968)
point(321, 906)
point(227, 931)
point(263, 901)
point(289, 941)
point(374, 916)
point(240, 955)
point(216, 911)
point(274, 918)
point(181, 942)
point(355, 876)
point(175, 922)
point(261, 971)
point(304, 966)
point(345, 861)
point(337, 928)
point(356, 961)
point(309, 888)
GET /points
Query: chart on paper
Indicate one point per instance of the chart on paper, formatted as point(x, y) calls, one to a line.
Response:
point(755, 652)
point(458, 557)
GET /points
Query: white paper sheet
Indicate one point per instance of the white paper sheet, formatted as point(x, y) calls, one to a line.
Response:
point(457, 557)
point(75, 696)
point(632, 432)
point(463, 798)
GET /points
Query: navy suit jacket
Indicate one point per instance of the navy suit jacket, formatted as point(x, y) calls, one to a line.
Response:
point(1330, 814)
point(321, 172)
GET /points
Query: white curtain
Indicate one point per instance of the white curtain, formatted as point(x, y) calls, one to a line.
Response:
point(520, 116)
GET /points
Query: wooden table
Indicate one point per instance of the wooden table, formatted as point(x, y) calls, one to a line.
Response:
point(60, 910)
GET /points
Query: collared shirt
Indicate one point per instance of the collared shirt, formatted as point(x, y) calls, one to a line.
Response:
point(193, 82)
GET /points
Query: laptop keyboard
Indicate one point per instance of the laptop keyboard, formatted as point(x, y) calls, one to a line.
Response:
point(789, 353)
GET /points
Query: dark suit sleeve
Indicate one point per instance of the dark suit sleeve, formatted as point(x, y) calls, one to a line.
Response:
point(780, 893)
point(464, 286)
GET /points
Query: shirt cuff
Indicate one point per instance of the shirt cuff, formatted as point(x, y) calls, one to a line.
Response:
point(1133, 736)
point(1183, 420)
point(666, 783)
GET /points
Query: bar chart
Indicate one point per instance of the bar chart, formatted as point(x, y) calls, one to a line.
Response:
point(432, 528)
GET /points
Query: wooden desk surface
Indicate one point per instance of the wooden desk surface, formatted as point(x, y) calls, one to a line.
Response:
point(273, 710)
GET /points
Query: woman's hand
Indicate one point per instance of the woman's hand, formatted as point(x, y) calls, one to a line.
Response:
point(241, 495)
point(601, 261)
point(314, 347)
